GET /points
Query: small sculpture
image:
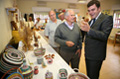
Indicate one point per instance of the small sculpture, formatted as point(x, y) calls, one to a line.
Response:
point(49, 58)
point(43, 64)
point(49, 75)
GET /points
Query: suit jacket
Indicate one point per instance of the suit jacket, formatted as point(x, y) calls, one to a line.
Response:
point(96, 38)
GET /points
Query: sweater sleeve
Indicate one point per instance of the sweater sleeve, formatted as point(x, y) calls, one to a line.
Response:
point(58, 37)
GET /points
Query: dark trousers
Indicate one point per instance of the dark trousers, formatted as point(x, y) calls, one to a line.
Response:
point(93, 68)
point(83, 34)
point(70, 57)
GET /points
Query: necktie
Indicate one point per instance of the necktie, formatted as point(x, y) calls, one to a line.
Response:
point(93, 21)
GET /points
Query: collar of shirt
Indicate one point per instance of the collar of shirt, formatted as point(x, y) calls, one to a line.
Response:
point(70, 27)
point(95, 18)
point(98, 16)
point(54, 22)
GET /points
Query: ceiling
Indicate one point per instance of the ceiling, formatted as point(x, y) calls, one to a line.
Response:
point(66, 1)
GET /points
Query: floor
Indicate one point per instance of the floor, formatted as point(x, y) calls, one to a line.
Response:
point(111, 66)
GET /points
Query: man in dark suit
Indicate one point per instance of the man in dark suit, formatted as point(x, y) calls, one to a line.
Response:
point(96, 38)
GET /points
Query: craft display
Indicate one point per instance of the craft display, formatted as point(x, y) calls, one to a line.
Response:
point(30, 63)
point(36, 71)
point(78, 75)
point(26, 70)
point(39, 51)
point(11, 58)
point(14, 75)
point(39, 37)
point(63, 73)
point(48, 75)
point(49, 61)
point(36, 37)
point(36, 44)
point(49, 58)
point(43, 64)
point(40, 60)
point(26, 35)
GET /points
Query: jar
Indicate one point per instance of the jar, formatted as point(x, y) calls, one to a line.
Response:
point(40, 60)
point(36, 71)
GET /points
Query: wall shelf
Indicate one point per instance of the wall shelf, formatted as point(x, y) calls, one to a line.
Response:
point(11, 9)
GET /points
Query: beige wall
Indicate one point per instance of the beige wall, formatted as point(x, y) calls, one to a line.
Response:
point(5, 29)
point(25, 6)
point(108, 4)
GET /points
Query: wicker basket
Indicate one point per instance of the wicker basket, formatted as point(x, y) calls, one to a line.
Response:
point(39, 51)
point(11, 58)
point(78, 75)
point(14, 75)
point(27, 72)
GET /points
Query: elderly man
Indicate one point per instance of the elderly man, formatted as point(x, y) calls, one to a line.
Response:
point(68, 35)
point(50, 30)
point(98, 31)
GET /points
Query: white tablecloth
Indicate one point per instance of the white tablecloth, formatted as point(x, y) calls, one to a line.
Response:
point(57, 64)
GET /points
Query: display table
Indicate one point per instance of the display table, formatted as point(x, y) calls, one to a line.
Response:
point(57, 63)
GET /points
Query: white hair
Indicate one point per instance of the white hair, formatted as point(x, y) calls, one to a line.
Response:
point(67, 13)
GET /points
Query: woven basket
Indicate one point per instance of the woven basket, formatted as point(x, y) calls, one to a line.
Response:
point(14, 75)
point(77, 75)
point(26, 72)
point(39, 51)
point(9, 59)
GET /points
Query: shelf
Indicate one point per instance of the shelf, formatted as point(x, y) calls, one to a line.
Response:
point(11, 9)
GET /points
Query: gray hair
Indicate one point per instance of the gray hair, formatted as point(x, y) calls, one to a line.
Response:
point(66, 13)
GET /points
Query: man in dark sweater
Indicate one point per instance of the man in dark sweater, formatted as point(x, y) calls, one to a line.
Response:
point(68, 35)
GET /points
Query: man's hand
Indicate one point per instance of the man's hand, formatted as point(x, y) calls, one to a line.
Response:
point(84, 26)
point(69, 43)
point(78, 52)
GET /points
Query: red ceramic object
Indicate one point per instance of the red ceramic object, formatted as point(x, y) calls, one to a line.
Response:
point(36, 71)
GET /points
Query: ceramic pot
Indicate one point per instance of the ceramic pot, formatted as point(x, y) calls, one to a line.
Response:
point(77, 75)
